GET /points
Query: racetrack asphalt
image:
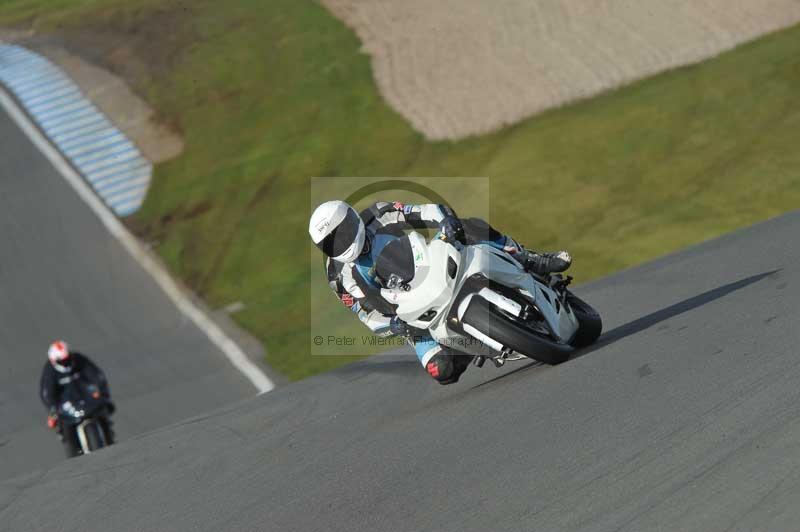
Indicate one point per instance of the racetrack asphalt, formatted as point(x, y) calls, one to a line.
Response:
point(63, 276)
point(685, 416)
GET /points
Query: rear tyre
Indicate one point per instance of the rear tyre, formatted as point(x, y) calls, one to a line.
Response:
point(591, 325)
point(94, 440)
point(493, 323)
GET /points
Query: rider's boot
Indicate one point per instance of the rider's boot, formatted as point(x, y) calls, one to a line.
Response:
point(538, 263)
point(447, 366)
point(545, 263)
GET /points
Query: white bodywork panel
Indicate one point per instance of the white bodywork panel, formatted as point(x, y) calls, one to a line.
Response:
point(432, 289)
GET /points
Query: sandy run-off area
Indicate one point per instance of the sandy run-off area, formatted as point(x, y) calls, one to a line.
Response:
point(456, 68)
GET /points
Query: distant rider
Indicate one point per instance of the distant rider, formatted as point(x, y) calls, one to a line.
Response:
point(63, 366)
point(352, 242)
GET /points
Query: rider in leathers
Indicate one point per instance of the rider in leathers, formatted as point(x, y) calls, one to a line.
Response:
point(352, 243)
point(63, 366)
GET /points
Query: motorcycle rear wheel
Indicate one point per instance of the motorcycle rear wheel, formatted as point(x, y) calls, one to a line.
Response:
point(591, 325)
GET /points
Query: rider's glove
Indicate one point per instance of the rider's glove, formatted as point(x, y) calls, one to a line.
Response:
point(399, 327)
point(452, 229)
point(52, 419)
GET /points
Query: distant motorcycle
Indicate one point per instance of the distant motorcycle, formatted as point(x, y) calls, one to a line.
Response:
point(480, 300)
point(83, 415)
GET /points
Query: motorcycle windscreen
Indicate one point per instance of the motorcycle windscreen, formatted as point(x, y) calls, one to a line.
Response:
point(396, 258)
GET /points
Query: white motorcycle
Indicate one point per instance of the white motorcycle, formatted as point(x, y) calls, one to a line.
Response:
point(481, 301)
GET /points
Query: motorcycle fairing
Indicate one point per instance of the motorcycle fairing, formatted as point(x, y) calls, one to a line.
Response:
point(427, 299)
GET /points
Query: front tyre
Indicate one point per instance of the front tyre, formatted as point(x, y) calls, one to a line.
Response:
point(492, 322)
point(591, 325)
point(72, 446)
point(94, 438)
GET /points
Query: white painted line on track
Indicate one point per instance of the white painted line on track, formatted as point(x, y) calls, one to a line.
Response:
point(231, 350)
point(115, 172)
point(47, 90)
point(105, 153)
point(130, 180)
point(77, 127)
point(84, 134)
point(101, 165)
point(55, 97)
point(112, 188)
point(92, 143)
point(83, 110)
point(65, 99)
point(125, 195)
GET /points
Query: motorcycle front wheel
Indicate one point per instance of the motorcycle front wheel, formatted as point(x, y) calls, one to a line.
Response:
point(69, 439)
point(514, 335)
point(94, 437)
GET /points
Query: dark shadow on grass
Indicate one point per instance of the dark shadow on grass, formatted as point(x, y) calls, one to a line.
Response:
point(645, 322)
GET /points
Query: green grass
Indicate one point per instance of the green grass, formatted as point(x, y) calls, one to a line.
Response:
point(270, 93)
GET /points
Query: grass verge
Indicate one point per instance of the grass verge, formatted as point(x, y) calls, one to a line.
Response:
point(268, 93)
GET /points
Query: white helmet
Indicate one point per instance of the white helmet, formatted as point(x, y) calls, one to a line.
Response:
point(337, 229)
point(59, 356)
